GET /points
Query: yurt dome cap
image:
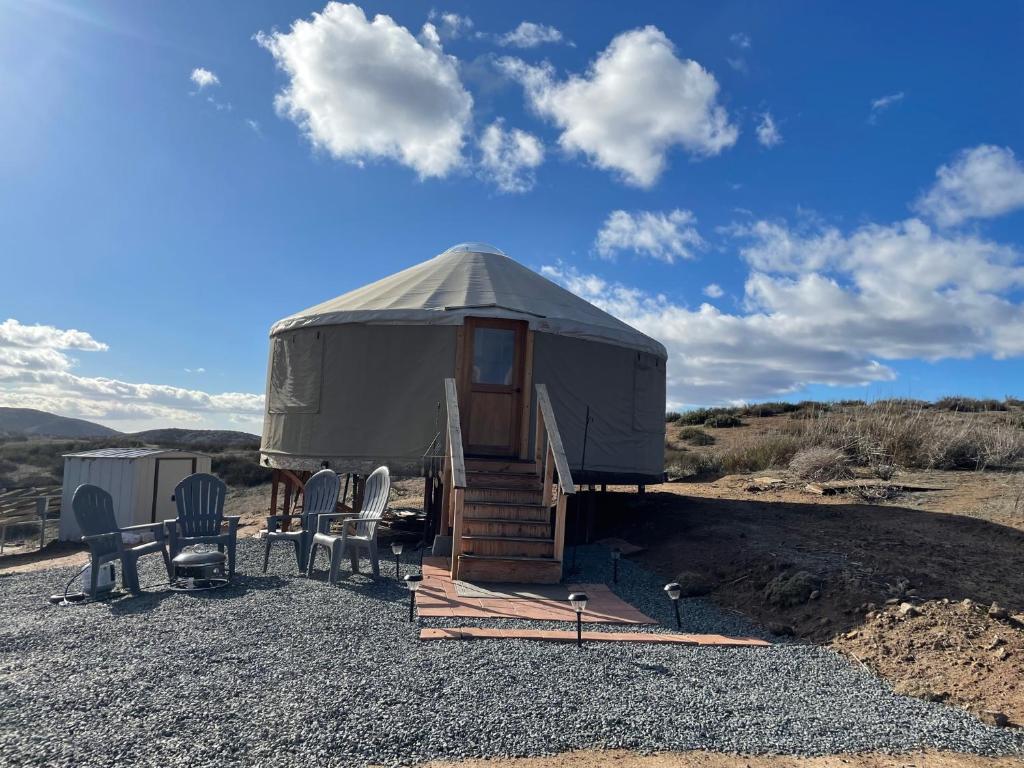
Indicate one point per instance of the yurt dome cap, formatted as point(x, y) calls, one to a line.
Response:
point(472, 280)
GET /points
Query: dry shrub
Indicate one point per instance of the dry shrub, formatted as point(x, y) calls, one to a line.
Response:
point(969, 404)
point(769, 452)
point(695, 436)
point(900, 436)
point(685, 464)
point(723, 421)
point(820, 463)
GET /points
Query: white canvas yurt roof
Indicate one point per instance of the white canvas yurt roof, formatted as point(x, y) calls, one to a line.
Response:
point(472, 279)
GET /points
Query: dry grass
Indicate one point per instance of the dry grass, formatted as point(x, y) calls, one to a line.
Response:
point(884, 436)
point(820, 463)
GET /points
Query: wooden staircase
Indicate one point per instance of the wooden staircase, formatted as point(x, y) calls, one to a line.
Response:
point(507, 516)
point(507, 532)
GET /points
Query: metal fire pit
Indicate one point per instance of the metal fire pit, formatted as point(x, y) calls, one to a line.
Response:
point(198, 571)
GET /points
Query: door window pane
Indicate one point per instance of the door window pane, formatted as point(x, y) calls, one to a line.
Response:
point(494, 352)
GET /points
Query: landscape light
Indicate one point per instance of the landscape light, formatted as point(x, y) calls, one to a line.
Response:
point(397, 547)
point(578, 601)
point(413, 581)
point(674, 591)
point(616, 555)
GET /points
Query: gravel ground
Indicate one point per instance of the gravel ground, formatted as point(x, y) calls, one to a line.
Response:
point(279, 670)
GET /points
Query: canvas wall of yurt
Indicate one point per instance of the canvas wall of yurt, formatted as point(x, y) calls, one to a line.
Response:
point(358, 380)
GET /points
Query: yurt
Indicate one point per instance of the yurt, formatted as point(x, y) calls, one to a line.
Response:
point(360, 380)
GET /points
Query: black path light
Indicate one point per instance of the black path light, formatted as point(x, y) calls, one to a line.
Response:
point(616, 556)
point(413, 581)
point(397, 547)
point(674, 591)
point(578, 601)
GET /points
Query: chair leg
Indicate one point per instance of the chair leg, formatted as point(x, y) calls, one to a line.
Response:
point(336, 553)
point(374, 563)
point(311, 560)
point(231, 560)
point(167, 564)
point(130, 575)
point(298, 555)
point(266, 554)
point(353, 555)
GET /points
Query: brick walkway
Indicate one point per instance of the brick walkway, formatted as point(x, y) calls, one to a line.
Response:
point(438, 597)
point(566, 636)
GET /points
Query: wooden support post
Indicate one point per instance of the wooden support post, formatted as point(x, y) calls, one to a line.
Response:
point(457, 494)
point(641, 489)
point(42, 509)
point(560, 517)
point(275, 478)
point(549, 475)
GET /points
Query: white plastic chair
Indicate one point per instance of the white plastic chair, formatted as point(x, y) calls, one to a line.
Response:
point(358, 531)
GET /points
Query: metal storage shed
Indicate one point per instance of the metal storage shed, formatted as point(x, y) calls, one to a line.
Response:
point(141, 480)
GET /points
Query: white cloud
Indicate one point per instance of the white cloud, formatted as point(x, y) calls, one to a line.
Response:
point(981, 183)
point(37, 372)
point(510, 157)
point(740, 39)
point(365, 90)
point(713, 291)
point(662, 236)
point(823, 306)
point(768, 134)
point(530, 35)
point(203, 78)
point(881, 104)
point(452, 24)
point(195, 370)
point(637, 101)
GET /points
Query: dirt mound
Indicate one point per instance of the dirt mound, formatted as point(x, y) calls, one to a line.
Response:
point(946, 651)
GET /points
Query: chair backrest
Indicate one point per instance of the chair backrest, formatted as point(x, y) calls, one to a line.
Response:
point(375, 501)
point(94, 513)
point(200, 501)
point(320, 496)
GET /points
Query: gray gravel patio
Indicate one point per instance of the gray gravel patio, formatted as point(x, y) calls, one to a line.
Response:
point(280, 670)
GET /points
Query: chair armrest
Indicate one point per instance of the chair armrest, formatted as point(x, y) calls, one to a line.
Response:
point(100, 537)
point(157, 528)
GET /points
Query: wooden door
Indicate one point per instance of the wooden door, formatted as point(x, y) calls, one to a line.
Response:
point(493, 362)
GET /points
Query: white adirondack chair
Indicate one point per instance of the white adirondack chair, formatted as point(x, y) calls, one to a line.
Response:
point(359, 530)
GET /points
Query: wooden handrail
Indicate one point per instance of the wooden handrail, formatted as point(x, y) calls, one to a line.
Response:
point(547, 414)
point(455, 455)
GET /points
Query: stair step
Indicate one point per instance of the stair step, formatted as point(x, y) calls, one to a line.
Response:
point(503, 466)
point(499, 546)
point(508, 495)
point(477, 479)
point(502, 526)
point(536, 513)
point(527, 570)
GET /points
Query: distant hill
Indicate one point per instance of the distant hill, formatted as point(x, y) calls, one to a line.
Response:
point(197, 439)
point(29, 422)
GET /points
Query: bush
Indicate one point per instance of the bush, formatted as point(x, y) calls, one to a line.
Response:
point(769, 409)
point(240, 469)
point(769, 452)
point(820, 464)
point(671, 417)
point(7, 466)
point(684, 464)
point(969, 404)
point(723, 420)
point(695, 436)
point(698, 416)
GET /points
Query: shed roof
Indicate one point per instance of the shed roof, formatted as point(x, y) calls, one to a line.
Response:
point(127, 453)
point(472, 279)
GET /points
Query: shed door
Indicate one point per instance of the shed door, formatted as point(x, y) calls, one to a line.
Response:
point(493, 380)
point(168, 473)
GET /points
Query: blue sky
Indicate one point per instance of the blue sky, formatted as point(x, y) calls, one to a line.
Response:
point(823, 202)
